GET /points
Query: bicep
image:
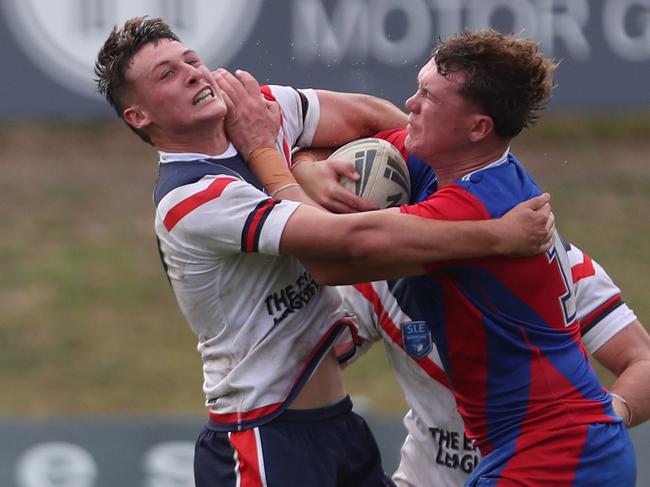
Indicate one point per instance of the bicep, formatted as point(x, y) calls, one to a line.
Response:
point(629, 345)
point(349, 116)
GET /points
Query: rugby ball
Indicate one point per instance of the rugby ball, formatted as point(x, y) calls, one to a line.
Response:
point(384, 176)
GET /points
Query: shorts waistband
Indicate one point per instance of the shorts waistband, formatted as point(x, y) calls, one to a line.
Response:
point(325, 413)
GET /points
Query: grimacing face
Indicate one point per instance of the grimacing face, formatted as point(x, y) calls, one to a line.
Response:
point(173, 91)
point(440, 118)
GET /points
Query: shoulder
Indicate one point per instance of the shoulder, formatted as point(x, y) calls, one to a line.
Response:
point(173, 175)
point(452, 202)
point(501, 187)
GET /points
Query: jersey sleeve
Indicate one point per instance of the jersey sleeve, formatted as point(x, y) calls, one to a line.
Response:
point(449, 203)
point(224, 215)
point(600, 309)
point(300, 113)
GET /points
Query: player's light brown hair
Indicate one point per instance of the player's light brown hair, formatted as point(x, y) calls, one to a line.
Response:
point(115, 56)
point(506, 76)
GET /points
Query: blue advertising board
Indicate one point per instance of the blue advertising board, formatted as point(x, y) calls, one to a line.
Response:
point(48, 47)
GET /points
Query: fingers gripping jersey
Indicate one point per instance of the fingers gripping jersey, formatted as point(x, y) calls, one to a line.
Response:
point(262, 322)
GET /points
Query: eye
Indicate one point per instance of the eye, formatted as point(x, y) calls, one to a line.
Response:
point(428, 95)
point(166, 74)
point(194, 62)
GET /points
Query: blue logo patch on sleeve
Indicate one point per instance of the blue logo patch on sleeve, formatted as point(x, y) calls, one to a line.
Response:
point(417, 338)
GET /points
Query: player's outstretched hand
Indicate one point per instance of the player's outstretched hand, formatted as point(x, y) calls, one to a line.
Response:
point(320, 180)
point(529, 228)
point(252, 122)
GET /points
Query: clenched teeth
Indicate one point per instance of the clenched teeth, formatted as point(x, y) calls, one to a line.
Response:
point(203, 96)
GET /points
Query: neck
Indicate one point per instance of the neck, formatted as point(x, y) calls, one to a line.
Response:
point(211, 143)
point(455, 167)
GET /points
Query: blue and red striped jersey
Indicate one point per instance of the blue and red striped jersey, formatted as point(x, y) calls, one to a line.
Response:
point(506, 328)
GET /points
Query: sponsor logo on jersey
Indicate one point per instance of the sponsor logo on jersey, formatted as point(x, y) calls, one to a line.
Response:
point(63, 37)
point(455, 450)
point(291, 298)
point(417, 338)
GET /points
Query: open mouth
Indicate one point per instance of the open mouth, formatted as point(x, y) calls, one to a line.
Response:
point(203, 96)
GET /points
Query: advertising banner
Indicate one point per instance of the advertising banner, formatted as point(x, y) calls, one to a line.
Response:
point(371, 46)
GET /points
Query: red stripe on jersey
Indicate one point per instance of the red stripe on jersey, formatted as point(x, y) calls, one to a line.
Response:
point(467, 351)
point(560, 406)
point(266, 91)
point(546, 458)
point(585, 323)
point(239, 417)
point(182, 209)
point(580, 271)
point(450, 203)
point(392, 330)
point(255, 223)
point(245, 444)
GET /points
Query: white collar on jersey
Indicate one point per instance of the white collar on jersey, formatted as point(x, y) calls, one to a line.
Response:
point(501, 160)
point(193, 156)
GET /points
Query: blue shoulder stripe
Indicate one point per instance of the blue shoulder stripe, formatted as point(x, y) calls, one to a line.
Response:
point(173, 175)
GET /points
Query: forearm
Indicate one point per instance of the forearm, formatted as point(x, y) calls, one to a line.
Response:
point(337, 272)
point(386, 236)
point(381, 244)
point(627, 356)
point(634, 386)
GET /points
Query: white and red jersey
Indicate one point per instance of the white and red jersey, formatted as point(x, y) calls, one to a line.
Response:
point(263, 324)
point(436, 451)
point(600, 308)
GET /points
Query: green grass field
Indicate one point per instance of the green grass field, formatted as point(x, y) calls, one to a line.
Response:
point(90, 326)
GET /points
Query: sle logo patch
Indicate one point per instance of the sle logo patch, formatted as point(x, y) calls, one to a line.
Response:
point(417, 338)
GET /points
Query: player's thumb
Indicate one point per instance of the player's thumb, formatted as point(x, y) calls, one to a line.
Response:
point(345, 169)
point(538, 202)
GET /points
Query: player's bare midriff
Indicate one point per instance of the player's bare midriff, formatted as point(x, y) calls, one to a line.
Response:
point(324, 388)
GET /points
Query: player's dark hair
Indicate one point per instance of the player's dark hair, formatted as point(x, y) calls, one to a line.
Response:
point(115, 57)
point(506, 76)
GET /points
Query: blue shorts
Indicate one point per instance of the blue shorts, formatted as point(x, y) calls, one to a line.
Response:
point(325, 447)
point(595, 455)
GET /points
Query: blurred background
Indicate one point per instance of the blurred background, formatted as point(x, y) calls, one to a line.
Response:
point(100, 379)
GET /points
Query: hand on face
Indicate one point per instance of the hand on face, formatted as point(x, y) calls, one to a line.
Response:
point(252, 122)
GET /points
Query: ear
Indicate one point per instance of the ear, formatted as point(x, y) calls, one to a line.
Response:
point(136, 117)
point(480, 127)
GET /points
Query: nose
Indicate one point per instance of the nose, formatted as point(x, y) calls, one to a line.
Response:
point(410, 103)
point(192, 74)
